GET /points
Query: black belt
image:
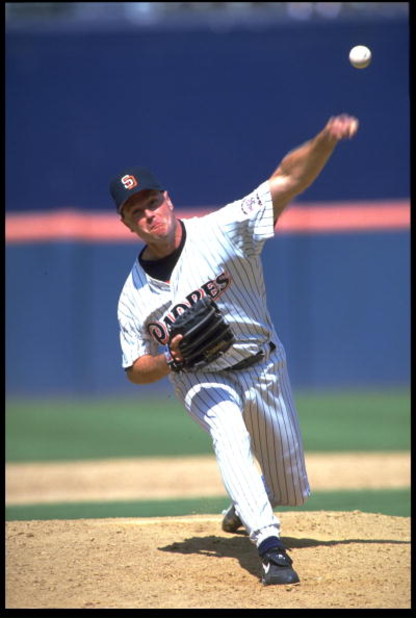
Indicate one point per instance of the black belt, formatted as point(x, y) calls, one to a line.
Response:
point(251, 360)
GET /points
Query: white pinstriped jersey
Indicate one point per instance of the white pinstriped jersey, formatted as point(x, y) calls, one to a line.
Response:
point(248, 412)
point(221, 257)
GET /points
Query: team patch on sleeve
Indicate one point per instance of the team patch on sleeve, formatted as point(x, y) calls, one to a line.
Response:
point(251, 203)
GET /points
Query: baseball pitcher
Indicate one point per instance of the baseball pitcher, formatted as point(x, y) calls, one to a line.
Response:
point(193, 308)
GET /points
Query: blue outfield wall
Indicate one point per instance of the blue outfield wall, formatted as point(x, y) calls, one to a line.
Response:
point(340, 303)
point(211, 110)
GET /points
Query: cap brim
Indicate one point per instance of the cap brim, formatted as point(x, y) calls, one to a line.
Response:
point(134, 192)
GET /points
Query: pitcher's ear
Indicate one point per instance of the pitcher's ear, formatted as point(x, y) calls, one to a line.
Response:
point(124, 222)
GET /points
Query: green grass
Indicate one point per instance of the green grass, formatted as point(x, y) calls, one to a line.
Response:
point(152, 427)
point(90, 429)
point(388, 502)
point(356, 420)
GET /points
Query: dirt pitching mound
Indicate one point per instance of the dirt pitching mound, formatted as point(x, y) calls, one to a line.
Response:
point(344, 560)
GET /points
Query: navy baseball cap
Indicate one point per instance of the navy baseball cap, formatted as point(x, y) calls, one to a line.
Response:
point(132, 181)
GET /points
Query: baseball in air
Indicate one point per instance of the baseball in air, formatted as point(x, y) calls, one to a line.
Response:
point(360, 56)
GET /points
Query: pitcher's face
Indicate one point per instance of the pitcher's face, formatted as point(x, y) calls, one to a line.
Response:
point(149, 214)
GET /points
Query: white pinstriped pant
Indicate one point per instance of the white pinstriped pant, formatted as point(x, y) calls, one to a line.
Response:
point(252, 412)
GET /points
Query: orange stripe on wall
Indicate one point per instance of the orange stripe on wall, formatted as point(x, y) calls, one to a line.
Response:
point(26, 227)
point(346, 217)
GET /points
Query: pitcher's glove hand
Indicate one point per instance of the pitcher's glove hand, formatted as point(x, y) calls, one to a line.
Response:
point(205, 336)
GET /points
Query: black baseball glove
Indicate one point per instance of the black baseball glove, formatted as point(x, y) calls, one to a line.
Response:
point(206, 335)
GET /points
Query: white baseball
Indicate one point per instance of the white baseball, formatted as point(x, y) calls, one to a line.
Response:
point(360, 56)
